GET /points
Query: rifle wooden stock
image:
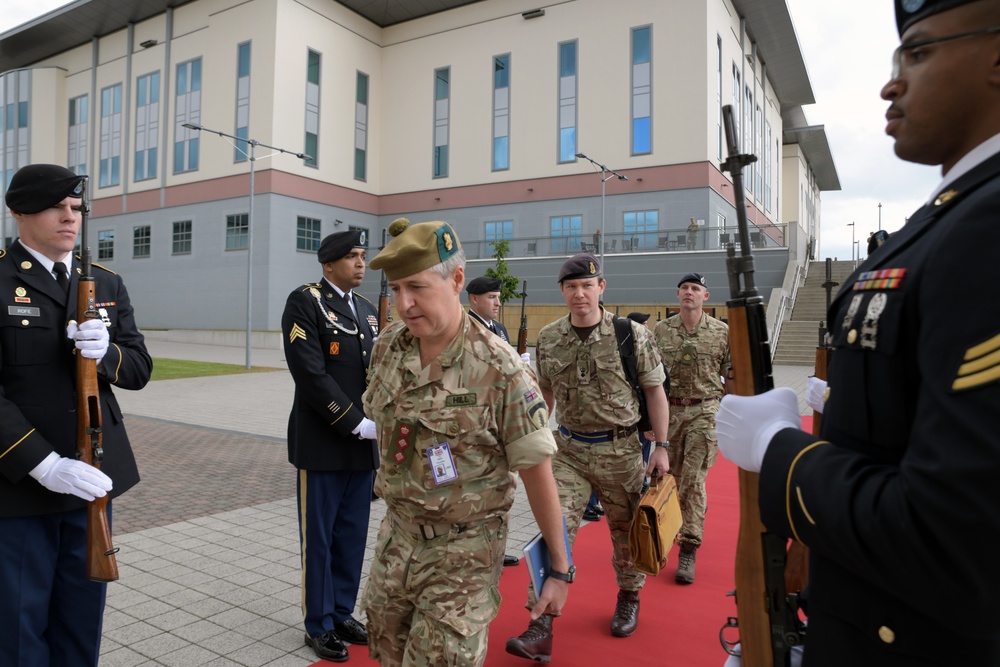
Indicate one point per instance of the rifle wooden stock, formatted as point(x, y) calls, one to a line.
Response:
point(522, 332)
point(101, 562)
point(751, 589)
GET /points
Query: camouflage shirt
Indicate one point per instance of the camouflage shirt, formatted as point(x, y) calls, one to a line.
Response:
point(586, 378)
point(696, 360)
point(478, 400)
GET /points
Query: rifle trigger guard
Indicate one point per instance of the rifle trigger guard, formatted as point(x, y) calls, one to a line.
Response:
point(729, 646)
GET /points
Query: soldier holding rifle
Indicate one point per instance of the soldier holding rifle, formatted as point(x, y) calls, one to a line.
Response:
point(50, 612)
point(484, 306)
point(897, 498)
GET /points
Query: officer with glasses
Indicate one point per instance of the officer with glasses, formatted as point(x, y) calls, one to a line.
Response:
point(897, 499)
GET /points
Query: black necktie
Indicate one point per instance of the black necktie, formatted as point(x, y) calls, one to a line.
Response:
point(350, 304)
point(493, 327)
point(62, 276)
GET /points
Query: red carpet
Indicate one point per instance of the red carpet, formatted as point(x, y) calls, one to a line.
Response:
point(678, 625)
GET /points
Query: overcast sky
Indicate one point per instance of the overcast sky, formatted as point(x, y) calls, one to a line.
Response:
point(847, 46)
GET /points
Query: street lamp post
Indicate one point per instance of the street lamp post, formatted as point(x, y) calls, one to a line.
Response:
point(253, 159)
point(880, 216)
point(605, 175)
point(851, 225)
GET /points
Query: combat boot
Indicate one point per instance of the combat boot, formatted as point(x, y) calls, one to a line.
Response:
point(535, 643)
point(685, 565)
point(626, 618)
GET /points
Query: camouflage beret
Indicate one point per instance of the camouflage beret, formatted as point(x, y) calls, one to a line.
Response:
point(36, 187)
point(693, 278)
point(909, 12)
point(415, 248)
point(482, 285)
point(583, 265)
point(337, 245)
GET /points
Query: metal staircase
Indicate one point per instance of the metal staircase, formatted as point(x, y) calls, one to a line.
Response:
point(799, 335)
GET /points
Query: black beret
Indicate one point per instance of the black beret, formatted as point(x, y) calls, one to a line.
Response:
point(909, 12)
point(639, 317)
point(482, 285)
point(583, 265)
point(338, 244)
point(38, 186)
point(877, 239)
point(693, 278)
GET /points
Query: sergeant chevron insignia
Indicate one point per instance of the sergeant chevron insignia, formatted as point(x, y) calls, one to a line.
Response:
point(981, 365)
point(297, 332)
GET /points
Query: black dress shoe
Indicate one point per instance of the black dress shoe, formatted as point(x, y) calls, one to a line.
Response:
point(590, 514)
point(328, 647)
point(352, 632)
point(510, 560)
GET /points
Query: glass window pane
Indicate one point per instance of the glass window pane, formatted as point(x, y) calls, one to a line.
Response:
point(567, 59)
point(567, 144)
point(640, 46)
point(501, 71)
point(640, 135)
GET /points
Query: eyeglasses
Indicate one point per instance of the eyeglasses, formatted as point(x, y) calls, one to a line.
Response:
point(906, 50)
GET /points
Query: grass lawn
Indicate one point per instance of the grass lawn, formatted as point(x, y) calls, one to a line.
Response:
point(172, 369)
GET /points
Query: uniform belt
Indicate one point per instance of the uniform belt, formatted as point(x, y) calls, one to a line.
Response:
point(429, 531)
point(599, 436)
point(691, 401)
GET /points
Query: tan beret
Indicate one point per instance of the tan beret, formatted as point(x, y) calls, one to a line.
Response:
point(415, 248)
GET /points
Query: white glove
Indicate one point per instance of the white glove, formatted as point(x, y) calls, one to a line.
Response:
point(815, 390)
point(62, 475)
point(745, 425)
point(366, 430)
point(91, 338)
point(526, 358)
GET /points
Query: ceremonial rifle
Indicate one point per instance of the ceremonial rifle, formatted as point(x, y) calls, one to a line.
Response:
point(101, 563)
point(767, 618)
point(384, 316)
point(522, 333)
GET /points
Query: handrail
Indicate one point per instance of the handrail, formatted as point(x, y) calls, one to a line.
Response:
point(786, 299)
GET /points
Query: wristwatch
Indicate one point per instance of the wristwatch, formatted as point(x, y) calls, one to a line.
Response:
point(664, 444)
point(568, 577)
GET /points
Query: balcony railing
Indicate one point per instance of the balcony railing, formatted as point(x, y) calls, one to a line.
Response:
point(662, 240)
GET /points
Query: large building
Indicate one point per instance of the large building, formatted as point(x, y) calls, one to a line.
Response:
point(539, 123)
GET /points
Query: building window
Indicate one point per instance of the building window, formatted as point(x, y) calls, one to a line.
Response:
point(767, 165)
point(364, 237)
point(566, 232)
point(496, 231)
point(182, 238)
point(105, 245)
point(758, 166)
point(567, 102)
point(15, 87)
point(442, 99)
point(111, 136)
point(78, 132)
point(361, 128)
point(241, 150)
point(307, 231)
point(312, 107)
point(140, 241)
point(642, 91)
point(188, 110)
point(641, 227)
point(748, 135)
point(147, 125)
point(737, 96)
point(237, 231)
point(501, 112)
point(718, 92)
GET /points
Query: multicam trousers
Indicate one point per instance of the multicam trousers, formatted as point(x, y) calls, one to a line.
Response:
point(693, 450)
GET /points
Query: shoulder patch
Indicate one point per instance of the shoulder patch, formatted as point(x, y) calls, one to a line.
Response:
point(980, 365)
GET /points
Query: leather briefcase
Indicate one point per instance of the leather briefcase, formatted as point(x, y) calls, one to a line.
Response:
point(655, 525)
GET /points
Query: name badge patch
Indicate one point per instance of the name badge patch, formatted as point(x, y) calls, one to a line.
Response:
point(460, 400)
point(24, 311)
point(442, 464)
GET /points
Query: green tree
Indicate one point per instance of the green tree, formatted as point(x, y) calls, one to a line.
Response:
point(509, 284)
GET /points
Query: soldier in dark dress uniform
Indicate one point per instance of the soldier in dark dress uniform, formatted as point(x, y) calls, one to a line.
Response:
point(50, 613)
point(897, 501)
point(328, 333)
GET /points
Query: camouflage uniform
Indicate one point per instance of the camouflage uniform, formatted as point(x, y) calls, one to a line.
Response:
point(592, 394)
point(695, 361)
point(432, 590)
